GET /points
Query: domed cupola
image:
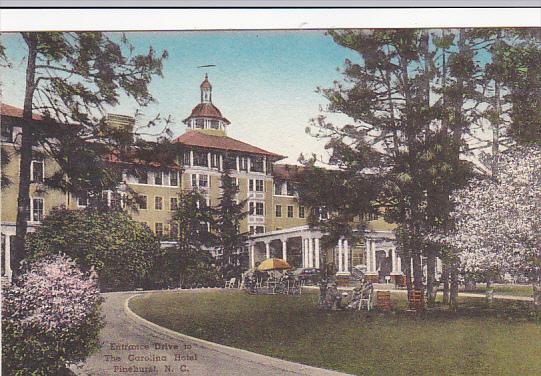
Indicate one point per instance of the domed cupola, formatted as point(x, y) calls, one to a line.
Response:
point(206, 117)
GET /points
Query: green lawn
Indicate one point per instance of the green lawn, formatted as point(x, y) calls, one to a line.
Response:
point(504, 289)
point(500, 340)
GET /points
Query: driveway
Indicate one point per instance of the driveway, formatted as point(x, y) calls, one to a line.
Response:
point(134, 346)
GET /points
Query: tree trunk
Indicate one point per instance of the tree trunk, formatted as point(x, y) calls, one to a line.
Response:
point(489, 292)
point(445, 280)
point(454, 287)
point(431, 278)
point(407, 268)
point(537, 296)
point(417, 271)
point(27, 140)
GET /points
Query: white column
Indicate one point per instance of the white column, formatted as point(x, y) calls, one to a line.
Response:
point(393, 261)
point(191, 158)
point(267, 249)
point(265, 165)
point(346, 256)
point(284, 249)
point(221, 162)
point(208, 160)
point(340, 257)
point(398, 264)
point(310, 253)
point(252, 255)
point(249, 164)
point(373, 253)
point(318, 252)
point(238, 166)
point(305, 242)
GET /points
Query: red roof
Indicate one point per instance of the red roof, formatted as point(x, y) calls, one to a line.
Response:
point(286, 172)
point(12, 111)
point(207, 110)
point(206, 84)
point(200, 139)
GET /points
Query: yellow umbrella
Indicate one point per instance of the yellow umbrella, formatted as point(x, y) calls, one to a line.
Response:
point(273, 264)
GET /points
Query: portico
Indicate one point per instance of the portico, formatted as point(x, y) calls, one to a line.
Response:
point(300, 246)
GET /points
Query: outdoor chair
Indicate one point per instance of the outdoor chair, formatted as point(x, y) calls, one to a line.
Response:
point(231, 283)
point(366, 300)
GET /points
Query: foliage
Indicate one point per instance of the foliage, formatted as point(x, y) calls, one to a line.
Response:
point(50, 318)
point(121, 250)
point(498, 221)
point(190, 262)
point(226, 225)
point(72, 79)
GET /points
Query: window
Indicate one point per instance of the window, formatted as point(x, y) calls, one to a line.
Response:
point(252, 206)
point(158, 203)
point(173, 178)
point(174, 203)
point(200, 159)
point(256, 164)
point(204, 181)
point(200, 180)
point(259, 208)
point(214, 160)
point(230, 163)
point(37, 171)
point(290, 189)
point(142, 177)
point(243, 163)
point(142, 202)
point(301, 212)
point(7, 132)
point(158, 178)
point(278, 210)
point(277, 188)
point(37, 210)
point(257, 229)
point(258, 183)
point(115, 200)
point(186, 158)
point(82, 200)
point(158, 229)
point(200, 123)
point(290, 211)
point(214, 124)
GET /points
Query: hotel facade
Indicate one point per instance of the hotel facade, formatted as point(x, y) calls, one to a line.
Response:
point(276, 221)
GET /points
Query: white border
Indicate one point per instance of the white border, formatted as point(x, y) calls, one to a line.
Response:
point(239, 19)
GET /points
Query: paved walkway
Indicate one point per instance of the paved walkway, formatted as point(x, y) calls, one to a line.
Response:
point(134, 346)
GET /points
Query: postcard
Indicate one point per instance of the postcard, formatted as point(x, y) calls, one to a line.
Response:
point(271, 191)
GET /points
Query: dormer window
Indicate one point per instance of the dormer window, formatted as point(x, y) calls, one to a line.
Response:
point(214, 124)
point(200, 123)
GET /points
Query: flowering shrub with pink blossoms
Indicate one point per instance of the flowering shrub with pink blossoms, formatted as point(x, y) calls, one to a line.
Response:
point(50, 318)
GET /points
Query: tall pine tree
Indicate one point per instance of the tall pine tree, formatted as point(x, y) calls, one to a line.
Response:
point(227, 219)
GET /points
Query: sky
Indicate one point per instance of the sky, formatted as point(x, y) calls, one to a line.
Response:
point(264, 82)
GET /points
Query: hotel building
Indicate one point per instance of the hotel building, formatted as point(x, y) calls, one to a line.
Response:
point(277, 222)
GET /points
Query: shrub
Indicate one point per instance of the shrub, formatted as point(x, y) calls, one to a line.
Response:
point(121, 250)
point(50, 318)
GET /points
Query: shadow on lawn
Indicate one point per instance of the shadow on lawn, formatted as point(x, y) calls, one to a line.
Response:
point(510, 311)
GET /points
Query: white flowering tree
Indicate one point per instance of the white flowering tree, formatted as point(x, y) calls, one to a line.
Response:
point(50, 318)
point(498, 221)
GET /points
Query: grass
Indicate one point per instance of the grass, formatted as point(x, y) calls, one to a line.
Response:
point(478, 340)
point(504, 289)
